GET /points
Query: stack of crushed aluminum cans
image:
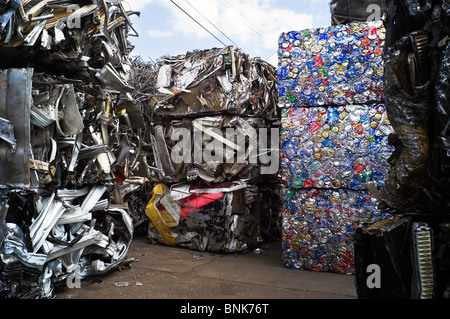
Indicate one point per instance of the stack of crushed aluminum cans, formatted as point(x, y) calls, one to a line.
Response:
point(334, 140)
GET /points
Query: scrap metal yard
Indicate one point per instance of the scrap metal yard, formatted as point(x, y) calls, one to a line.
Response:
point(214, 174)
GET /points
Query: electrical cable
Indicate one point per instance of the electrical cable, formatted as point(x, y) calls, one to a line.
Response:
point(212, 23)
point(244, 19)
point(198, 23)
point(271, 55)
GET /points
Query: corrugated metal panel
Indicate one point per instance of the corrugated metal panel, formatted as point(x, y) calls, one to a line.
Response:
point(15, 103)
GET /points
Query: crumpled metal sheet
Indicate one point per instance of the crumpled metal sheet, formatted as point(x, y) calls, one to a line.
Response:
point(205, 93)
point(410, 114)
point(213, 123)
point(221, 217)
point(71, 151)
point(214, 149)
point(214, 81)
point(14, 110)
point(416, 81)
point(66, 37)
point(68, 236)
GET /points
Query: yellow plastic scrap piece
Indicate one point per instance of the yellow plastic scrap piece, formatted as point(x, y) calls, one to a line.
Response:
point(166, 218)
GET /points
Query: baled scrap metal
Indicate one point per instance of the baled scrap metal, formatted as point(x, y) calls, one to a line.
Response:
point(19, 265)
point(319, 227)
point(15, 110)
point(211, 81)
point(84, 150)
point(411, 109)
point(204, 221)
point(83, 35)
point(417, 68)
point(213, 115)
point(215, 149)
point(200, 86)
point(416, 79)
point(336, 65)
point(73, 100)
point(335, 147)
point(94, 242)
point(216, 217)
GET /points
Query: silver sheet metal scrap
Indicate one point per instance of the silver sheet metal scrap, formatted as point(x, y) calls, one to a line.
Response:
point(215, 149)
point(65, 74)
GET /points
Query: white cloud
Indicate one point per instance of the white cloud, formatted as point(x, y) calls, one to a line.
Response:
point(159, 34)
point(138, 5)
point(254, 25)
point(248, 23)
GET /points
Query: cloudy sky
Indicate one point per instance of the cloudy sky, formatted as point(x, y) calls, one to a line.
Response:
point(165, 27)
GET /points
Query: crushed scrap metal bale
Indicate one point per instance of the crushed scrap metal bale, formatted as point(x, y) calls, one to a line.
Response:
point(71, 147)
point(213, 126)
point(214, 81)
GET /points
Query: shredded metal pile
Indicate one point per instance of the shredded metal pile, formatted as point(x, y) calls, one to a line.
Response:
point(69, 144)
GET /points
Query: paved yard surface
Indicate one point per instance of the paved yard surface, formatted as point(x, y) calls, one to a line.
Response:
point(162, 272)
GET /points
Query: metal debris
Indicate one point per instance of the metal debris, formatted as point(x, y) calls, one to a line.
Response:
point(122, 284)
point(68, 161)
point(212, 148)
point(222, 80)
point(88, 137)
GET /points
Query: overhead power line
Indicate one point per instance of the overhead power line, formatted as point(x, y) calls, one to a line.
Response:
point(212, 23)
point(244, 19)
point(198, 23)
point(271, 55)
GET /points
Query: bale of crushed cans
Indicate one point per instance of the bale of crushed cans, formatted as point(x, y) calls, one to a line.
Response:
point(334, 140)
point(319, 226)
point(335, 147)
point(337, 65)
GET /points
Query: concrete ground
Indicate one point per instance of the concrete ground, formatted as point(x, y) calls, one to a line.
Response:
point(162, 272)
